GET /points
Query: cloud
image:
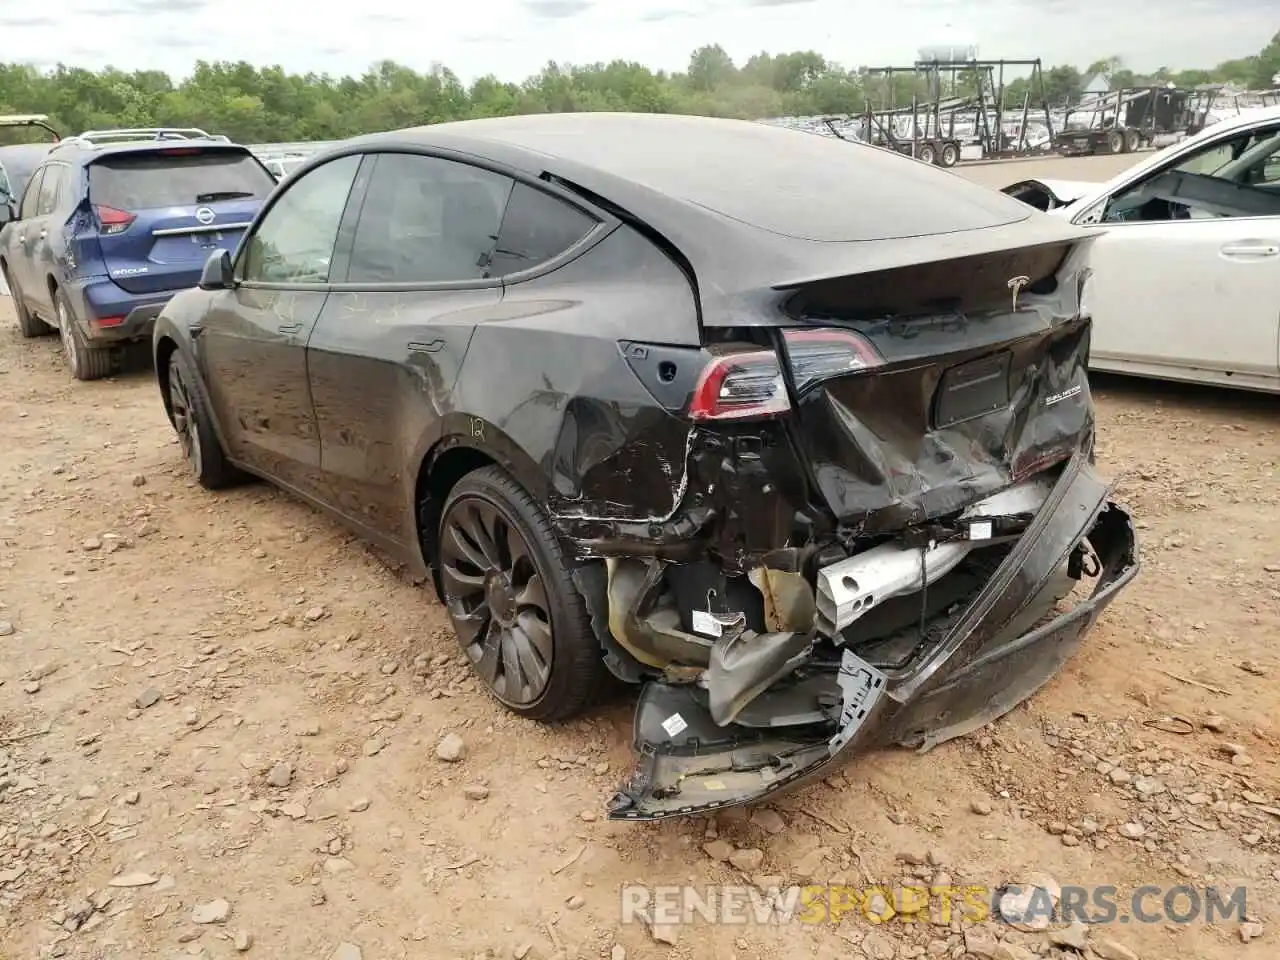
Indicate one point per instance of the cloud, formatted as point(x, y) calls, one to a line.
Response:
point(513, 39)
point(557, 9)
point(166, 6)
point(483, 38)
point(657, 16)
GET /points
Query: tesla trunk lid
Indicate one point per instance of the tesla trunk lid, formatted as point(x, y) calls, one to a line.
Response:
point(964, 393)
point(161, 212)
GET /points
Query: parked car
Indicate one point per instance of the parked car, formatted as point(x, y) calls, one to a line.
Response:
point(795, 433)
point(281, 167)
point(1186, 278)
point(112, 224)
point(17, 162)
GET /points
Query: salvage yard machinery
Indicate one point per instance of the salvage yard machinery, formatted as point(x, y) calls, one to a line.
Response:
point(940, 110)
point(1131, 118)
point(1001, 129)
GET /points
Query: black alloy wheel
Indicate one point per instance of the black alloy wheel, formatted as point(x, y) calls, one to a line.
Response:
point(185, 421)
point(197, 436)
point(497, 599)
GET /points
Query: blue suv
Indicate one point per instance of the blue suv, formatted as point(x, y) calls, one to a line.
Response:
point(112, 224)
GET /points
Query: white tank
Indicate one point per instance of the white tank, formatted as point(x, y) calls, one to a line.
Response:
point(954, 47)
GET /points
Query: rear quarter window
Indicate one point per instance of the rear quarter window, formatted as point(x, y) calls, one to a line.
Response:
point(176, 178)
point(536, 227)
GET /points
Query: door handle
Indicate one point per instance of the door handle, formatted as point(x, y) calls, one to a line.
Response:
point(1251, 249)
point(289, 328)
point(43, 234)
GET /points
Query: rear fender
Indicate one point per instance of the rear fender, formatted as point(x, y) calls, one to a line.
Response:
point(84, 252)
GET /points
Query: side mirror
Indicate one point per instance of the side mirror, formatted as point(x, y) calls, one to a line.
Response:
point(216, 274)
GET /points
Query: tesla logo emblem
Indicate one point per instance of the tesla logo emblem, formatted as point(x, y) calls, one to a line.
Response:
point(205, 215)
point(1016, 284)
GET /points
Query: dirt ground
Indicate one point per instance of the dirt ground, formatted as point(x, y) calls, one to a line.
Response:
point(219, 721)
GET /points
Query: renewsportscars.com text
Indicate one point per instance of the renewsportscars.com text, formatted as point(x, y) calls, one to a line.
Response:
point(812, 904)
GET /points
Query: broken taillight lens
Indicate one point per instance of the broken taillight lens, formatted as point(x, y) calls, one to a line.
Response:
point(113, 221)
point(749, 382)
point(817, 355)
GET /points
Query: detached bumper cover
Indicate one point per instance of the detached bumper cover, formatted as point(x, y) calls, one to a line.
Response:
point(990, 661)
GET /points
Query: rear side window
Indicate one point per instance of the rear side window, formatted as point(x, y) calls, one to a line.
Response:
point(176, 178)
point(427, 220)
point(31, 198)
point(536, 228)
point(50, 187)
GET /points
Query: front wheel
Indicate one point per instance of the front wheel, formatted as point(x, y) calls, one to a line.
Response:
point(1131, 141)
point(506, 585)
point(926, 154)
point(1115, 141)
point(950, 154)
point(194, 426)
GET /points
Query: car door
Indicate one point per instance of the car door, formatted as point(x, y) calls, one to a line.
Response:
point(389, 343)
point(20, 265)
point(252, 344)
point(1187, 274)
point(40, 253)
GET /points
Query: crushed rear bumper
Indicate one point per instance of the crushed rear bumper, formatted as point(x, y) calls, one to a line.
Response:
point(988, 662)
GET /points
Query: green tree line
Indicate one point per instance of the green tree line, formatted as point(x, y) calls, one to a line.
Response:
point(266, 104)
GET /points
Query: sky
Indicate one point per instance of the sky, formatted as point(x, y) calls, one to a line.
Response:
point(515, 38)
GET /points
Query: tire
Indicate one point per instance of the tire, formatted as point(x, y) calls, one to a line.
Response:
point(1131, 141)
point(86, 362)
point(193, 423)
point(491, 528)
point(29, 325)
point(926, 154)
point(1115, 141)
point(950, 154)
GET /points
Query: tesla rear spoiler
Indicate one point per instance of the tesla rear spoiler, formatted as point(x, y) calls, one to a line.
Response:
point(837, 260)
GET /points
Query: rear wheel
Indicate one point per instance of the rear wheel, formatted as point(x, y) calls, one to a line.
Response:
point(86, 362)
point(28, 323)
point(1115, 141)
point(507, 588)
point(950, 154)
point(194, 425)
point(926, 153)
point(1131, 141)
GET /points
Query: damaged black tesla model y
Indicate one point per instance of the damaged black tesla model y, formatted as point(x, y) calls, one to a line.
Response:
point(794, 434)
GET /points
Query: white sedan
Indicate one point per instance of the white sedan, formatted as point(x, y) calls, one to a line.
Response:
point(1186, 276)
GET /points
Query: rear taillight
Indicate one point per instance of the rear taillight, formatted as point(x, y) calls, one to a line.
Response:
point(746, 383)
point(827, 352)
point(113, 221)
point(749, 383)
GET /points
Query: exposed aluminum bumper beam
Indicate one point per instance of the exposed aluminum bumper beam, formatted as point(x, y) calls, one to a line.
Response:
point(848, 589)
